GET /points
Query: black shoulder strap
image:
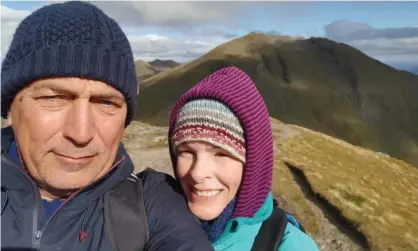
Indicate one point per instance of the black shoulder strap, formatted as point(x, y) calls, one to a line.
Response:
point(125, 217)
point(271, 232)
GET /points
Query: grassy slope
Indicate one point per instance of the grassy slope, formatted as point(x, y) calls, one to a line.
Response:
point(315, 83)
point(376, 193)
point(379, 194)
point(144, 70)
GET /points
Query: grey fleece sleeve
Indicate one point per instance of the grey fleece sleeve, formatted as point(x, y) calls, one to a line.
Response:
point(172, 227)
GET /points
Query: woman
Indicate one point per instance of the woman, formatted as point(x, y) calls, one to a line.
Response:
point(221, 146)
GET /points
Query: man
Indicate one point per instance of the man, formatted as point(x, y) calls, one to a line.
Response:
point(69, 86)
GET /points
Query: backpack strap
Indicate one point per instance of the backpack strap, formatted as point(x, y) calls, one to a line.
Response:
point(292, 220)
point(271, 232)
point(125, 216)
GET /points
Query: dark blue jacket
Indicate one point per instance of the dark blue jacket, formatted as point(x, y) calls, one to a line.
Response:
point(23, 224)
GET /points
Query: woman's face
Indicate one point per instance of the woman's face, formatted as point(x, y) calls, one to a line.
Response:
point(210, 177)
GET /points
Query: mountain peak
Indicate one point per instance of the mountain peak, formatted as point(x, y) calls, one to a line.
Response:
point(316, 83)
point(163, 63)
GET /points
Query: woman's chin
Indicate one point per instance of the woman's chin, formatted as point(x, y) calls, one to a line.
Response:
point(205, 213)
point(206, 217)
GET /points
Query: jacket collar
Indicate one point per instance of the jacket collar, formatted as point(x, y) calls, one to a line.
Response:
point(241, 228)
point(7, 138)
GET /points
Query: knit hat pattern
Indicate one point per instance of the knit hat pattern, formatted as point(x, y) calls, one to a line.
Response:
point(71, 39)
point(210, 121)
point(235, 89)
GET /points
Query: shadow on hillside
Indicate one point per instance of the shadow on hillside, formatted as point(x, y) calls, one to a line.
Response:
point(331, 212)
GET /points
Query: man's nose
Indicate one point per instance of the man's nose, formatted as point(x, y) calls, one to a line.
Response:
point(80, 124)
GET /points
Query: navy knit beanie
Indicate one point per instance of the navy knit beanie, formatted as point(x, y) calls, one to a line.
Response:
point(72, 39)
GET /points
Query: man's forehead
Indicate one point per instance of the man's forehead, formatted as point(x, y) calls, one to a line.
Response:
point(76, 86)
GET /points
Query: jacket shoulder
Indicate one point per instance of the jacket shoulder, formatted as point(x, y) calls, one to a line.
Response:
point(151, 174)
point(152, 179)
point(294, 239)
point(172, 226)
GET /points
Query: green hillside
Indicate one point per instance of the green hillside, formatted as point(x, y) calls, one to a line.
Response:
point(315, 83)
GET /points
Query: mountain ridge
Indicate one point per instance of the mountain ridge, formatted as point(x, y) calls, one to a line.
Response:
point(145, 70)
point(316, 83)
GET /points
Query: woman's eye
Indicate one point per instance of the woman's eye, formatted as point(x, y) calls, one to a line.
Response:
point(221, 154)
point(184, 152)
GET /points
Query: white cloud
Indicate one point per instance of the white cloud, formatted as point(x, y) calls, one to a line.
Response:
point(193, 28)
point(348, 30)
point(406, 46)
point(343, 29)
point(10, 19)
point(395, 51)
point(131, 15)
point(396, 46)
point(150, 47)
point(171, 14)
point(11, 15)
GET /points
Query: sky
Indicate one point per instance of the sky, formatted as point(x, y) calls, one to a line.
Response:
point(183, 31)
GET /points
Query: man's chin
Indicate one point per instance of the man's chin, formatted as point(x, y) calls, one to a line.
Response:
point(52, 190)
point(64, 183)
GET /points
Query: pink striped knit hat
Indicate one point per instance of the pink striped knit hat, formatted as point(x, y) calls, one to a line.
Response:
point(210, 121)
point(232, 93)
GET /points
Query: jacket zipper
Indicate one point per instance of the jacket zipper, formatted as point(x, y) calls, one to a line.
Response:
point(37, 234)
point(36, 238)
point(37, 241)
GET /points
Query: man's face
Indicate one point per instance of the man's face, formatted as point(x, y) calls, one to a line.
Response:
point(68, 130)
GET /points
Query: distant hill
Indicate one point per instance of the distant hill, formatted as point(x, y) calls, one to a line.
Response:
point(145, 70)
point(163, 64)
point(315, 83)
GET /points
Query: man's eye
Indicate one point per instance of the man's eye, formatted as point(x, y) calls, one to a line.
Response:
point(107, 103)
point(54, 97)
point(53, 100)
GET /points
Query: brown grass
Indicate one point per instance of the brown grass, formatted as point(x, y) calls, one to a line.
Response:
point(286, 189)
point(378, 194)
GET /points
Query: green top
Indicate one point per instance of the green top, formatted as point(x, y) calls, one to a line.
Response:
point(240, 233)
